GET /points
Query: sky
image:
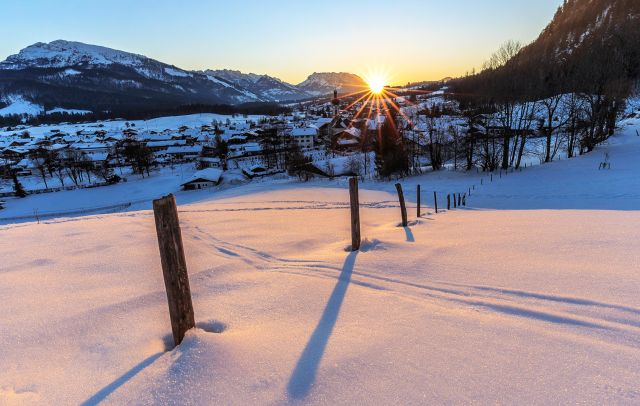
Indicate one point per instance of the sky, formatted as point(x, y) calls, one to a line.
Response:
point(404, 40)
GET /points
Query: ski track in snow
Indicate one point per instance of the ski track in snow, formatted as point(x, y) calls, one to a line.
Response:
point(533, 305)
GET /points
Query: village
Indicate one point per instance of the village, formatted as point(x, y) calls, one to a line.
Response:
point(323, 139)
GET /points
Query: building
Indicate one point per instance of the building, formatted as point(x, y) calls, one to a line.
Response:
point(203, 179)
point(304, 137)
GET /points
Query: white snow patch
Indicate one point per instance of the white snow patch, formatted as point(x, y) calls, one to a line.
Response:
point(68, 111)
point(177, 73)
point(19, 105)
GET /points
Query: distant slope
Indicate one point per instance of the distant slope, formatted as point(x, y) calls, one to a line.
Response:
point(319, 84)
point(590, 46)
point(266, 87)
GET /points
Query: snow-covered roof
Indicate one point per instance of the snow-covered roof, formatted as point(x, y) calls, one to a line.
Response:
point(167, 143)
point(195, 149)
point(303, 132)
point(210, 159)
point(209, 174)
point(97, 156)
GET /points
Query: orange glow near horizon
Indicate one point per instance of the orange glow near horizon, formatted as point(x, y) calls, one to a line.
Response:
point(377, 80)
point(376, 84)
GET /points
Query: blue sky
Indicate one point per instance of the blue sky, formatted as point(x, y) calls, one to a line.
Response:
point(408, 40)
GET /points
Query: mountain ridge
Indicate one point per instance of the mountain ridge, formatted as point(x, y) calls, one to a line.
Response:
point(71, 74)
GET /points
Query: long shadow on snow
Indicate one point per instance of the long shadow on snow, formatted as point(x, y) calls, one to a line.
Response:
point(409, 233)
point(304, 374)
point(103, 393)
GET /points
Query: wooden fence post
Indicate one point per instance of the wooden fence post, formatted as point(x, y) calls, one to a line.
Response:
point(464, 200)
point(174, 266)
point(448, 202)
point(403, 208)
point(435, 201)
point(459, 200)
point(455, 201)
point(355, 214)
point(418, 200)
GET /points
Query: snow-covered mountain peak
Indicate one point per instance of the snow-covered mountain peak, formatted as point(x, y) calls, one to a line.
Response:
point(62, 53)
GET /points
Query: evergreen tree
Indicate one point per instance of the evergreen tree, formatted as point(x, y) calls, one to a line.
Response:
point(17, 186)
point(391, 155)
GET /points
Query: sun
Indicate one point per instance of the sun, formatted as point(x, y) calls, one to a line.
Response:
point(376, 84)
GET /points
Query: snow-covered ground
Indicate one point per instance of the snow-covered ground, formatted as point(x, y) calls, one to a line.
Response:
point(566, 184)
point(527, 296)
point(154, 124)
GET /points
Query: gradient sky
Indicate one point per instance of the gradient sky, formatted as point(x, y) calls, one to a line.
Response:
point(409, 40)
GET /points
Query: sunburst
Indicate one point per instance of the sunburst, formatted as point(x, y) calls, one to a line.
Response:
point(377, 98)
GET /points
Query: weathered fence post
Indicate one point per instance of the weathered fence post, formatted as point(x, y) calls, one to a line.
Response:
point(435, 201)
point(174, 266)
point(418, 200)
point(464, 200)
point(355, 214)
point(455, 201)
point(459, 200)
point(403, 208)
point(448, 202)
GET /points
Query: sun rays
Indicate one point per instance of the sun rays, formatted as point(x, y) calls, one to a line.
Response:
point(379, 101)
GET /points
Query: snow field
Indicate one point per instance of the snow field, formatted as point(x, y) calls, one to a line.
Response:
point(528, 296)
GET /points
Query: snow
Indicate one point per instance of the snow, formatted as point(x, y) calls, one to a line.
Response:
point(527, 296)
point(218, 81)
point(68, 111)
point(210, 174)
point(304, 132)
point(70, 72)
point(19, 105)
point(177, 73)
point(62, 53)
point(157, 124)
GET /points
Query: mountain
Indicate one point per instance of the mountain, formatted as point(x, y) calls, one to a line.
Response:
point(590, 46)
point(320, 84)
point(76, 75)
point(266, 87)
point(589, 43)
point(65, 75)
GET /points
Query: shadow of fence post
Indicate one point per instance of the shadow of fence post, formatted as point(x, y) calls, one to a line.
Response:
point(306, 369)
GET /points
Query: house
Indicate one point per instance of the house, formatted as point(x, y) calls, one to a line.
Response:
point(13, 154)
point(330, 168)
point(304, 137)
point(184, 152)
point(97, 158)
point(209, 162)
point(258, 171)
point(156, 146)
point(203, 179)
point(347, 140)
point(250, 148)
point(89, 147)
